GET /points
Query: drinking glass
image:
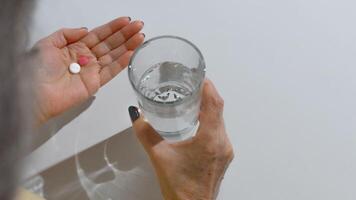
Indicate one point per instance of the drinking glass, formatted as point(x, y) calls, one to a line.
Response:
point(167, 73)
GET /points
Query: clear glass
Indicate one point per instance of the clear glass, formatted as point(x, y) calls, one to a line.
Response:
point(166, 73)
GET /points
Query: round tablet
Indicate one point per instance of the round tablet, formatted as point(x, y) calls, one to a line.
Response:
point(74, 68)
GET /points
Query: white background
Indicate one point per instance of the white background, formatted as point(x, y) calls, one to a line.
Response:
point(284, 67)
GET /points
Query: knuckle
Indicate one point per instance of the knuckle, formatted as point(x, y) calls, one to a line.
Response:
point(229, 153)
point(217, 102)
point(215, 152)
point(212, 151)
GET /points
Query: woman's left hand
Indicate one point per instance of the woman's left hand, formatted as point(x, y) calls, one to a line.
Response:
point(108, 49)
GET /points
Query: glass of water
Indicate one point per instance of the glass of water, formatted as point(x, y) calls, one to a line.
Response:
point(167, 73)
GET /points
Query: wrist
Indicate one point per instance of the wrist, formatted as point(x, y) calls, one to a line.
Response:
point(40, 116)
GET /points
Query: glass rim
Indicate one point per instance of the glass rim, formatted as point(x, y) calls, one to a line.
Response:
point(130, 71)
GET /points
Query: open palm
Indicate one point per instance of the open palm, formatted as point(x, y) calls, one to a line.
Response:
point(108, 47)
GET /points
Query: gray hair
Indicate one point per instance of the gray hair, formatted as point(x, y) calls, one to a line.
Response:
point(15, 93)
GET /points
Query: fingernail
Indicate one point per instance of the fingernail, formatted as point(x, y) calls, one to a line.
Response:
point(129, 18)
point(134, 113)
point(143, 23)
point(86, 28)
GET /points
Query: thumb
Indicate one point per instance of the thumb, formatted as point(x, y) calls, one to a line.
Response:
point(66, 36)
point(143, 130)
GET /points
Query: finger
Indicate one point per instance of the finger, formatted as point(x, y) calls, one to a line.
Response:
point(212, 105)
point(117, 39)
point(144, 131)
point(131, 44)
point(67, 36)
point(110, 71)
point(102, 32)
point(87, 75)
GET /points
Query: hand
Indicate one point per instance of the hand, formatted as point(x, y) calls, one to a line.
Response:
point(108, 47)
point(192, 169)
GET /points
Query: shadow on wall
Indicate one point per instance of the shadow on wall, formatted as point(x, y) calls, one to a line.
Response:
point(116, 168)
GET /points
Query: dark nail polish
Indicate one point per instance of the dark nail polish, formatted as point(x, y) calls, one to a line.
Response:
point(129, 18)
point(134, 113)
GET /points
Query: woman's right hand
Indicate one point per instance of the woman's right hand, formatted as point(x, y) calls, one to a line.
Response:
point(191, 169)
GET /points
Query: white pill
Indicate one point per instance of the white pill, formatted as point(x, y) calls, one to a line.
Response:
point(74, 68)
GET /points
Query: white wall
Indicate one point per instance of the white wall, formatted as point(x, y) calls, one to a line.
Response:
point(285, 68)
